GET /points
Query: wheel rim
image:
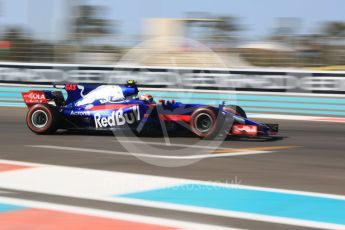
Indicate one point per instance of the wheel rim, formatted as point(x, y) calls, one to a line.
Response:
point(203, 122)
point(39, 119)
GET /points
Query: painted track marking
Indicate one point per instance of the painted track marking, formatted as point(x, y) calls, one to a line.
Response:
point(107, 184)
point(199, 146)
point(144, 155)
point(110, 215)
point(298, 117)
point(266, 148)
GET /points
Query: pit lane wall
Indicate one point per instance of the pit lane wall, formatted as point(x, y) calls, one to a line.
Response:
point(258, 91)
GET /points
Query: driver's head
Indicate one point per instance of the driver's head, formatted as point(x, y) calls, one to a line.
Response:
point(146, 97)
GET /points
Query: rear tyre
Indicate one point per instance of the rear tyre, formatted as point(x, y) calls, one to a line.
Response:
point(43, 119)
point(203, 122)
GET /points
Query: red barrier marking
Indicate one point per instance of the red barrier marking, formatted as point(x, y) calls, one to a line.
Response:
point(45, 219)
point(10, 167)
point(5, 44)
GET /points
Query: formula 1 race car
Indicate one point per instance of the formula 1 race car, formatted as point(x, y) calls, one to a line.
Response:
point(109, 107)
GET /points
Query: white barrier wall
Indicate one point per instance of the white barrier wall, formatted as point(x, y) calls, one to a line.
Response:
point(270, 80)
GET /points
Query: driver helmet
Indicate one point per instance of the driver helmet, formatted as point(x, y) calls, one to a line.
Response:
point(146, 97)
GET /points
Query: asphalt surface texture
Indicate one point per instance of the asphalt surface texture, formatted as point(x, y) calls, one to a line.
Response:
point(309, 156)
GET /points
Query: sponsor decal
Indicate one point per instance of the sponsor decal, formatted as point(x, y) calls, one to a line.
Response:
point(82, 88)
point(244, 130)
point(104, 94)
point(118, 118)
point(34, 97)
point(80, 113)
point(37, 96)
point(71, 87)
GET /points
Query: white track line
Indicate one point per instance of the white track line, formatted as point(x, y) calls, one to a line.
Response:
point(298, 118)
point(244, 92)
point(81, 183)
point(198, 146)
point(144, 155)
point(111, 214)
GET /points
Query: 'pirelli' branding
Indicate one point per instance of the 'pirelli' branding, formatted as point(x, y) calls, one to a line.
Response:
point(118, 118)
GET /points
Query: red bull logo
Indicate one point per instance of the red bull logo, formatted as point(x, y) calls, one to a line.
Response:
point(118, 118)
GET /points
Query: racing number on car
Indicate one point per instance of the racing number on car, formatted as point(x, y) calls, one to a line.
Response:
point(71, 87)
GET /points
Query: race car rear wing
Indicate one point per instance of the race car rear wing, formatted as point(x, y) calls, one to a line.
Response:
point(34, 97)
point(43, 97)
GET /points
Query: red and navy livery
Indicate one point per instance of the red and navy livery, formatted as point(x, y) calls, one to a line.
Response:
point(109, 107)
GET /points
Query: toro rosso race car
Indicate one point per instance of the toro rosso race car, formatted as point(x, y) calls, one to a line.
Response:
point(109, 107)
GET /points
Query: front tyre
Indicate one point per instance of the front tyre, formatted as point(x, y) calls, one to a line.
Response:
point(203, 122)
point(43, 119)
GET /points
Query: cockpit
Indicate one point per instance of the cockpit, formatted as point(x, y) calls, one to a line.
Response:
point(147, 97)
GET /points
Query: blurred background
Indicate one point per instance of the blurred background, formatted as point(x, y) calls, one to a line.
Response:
point(245, 34)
